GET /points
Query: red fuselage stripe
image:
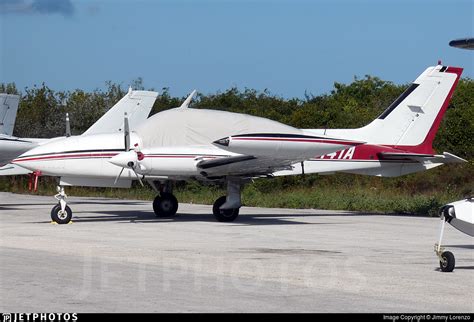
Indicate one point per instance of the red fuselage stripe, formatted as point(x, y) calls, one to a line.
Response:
point(67, 156)
point(299, 140)
point(104, 155)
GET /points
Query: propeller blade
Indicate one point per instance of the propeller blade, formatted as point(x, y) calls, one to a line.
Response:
point(68, 126)
point(126, 132)
point(138, 177)
point(118, 177)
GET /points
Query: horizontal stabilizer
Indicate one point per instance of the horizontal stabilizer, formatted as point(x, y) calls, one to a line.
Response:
point(423, 158)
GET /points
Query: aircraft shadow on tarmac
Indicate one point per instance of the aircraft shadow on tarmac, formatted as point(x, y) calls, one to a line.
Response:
point(467, 246)
point(133, 216)
point(457, 268)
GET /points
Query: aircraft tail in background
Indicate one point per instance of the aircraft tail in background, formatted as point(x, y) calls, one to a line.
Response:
point(8, 110)
point(137, 105)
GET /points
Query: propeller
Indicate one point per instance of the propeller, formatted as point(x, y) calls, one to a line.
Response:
point(130, 157)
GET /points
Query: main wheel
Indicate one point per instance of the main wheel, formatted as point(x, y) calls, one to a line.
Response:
point(59, 216)
point(224, 215)
point(165, 205)
point(447, 263)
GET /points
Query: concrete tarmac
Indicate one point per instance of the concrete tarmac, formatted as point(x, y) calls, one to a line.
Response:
point(117, 256)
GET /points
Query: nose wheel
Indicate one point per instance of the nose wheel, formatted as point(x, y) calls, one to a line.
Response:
point(60, 216)
point(61, 213)
point(165, 205)
point(447, 261)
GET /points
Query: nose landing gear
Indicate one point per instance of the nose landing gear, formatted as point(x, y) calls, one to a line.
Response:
point(447, 261)
point(61, 213)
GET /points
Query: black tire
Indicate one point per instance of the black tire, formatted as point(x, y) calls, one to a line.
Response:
point(165, 205)
point(54, 209)
point(59, 217)
point(224, 215)
point(448, 262)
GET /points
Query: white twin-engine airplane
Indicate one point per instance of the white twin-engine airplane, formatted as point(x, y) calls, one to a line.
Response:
point(137, 104)
point(209, 145)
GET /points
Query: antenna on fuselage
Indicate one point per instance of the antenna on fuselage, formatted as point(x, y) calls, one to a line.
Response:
point(68, 126)
point(188, 100)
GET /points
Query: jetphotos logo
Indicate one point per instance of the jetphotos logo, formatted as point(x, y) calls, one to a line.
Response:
point(34, 317)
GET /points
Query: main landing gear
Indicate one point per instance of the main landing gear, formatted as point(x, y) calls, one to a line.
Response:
point(165, 203)
point(226, 208)
point(446, 258)
point(224, 215)
point(61, 213)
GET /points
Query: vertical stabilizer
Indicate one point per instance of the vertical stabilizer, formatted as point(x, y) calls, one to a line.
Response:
point(410, 123)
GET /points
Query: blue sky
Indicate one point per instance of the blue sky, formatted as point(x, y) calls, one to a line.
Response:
point(285, 46)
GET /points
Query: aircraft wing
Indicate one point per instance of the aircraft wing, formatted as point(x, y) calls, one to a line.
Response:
point(466, 43)
point(423, 158)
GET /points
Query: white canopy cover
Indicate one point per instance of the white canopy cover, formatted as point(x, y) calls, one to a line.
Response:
point(186, 126)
